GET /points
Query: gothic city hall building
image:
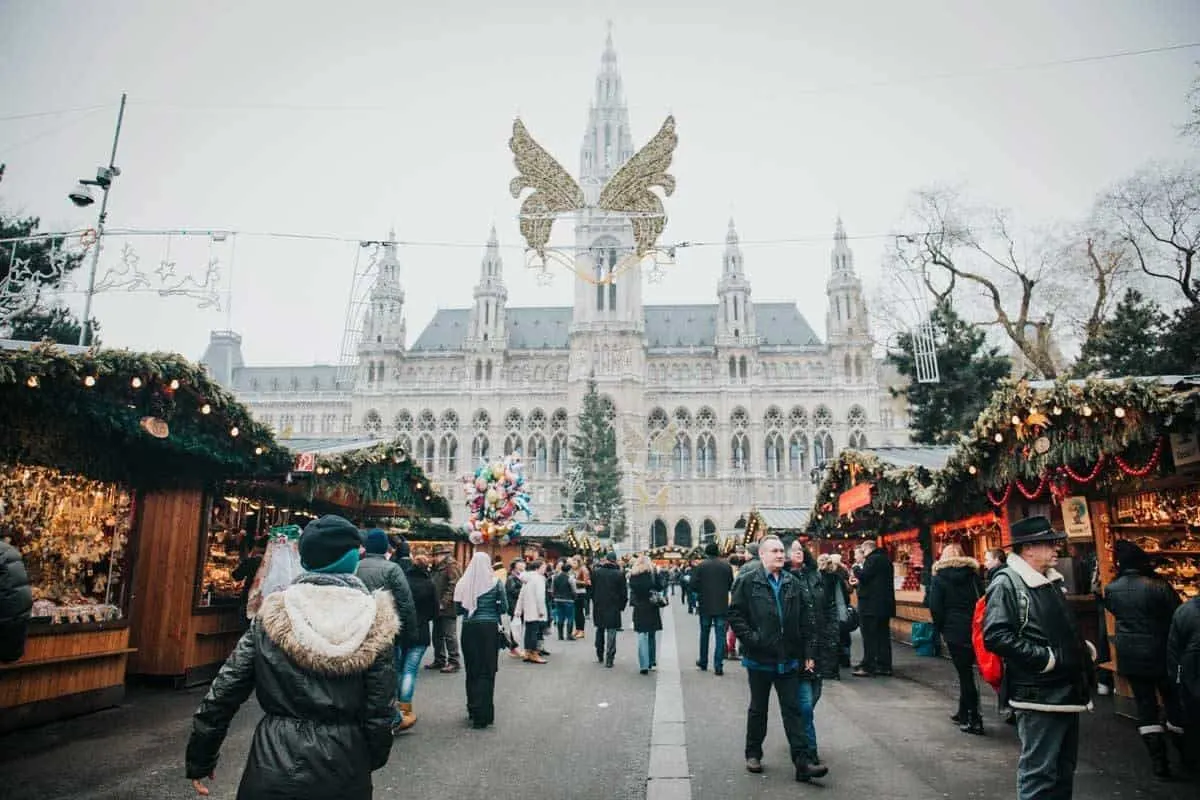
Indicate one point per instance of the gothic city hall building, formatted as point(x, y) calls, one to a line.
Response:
point(719, 407)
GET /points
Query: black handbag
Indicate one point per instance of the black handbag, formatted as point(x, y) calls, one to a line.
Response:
point(850, 624)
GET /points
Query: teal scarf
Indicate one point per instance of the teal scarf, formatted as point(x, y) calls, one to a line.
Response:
point(346, 565)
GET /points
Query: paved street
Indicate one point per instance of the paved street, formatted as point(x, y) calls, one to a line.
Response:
point(573, 729)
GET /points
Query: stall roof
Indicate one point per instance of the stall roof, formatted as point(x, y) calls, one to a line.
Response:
point(329, 446)
point(544, 530)
point(793, 518)
point(1164, 380)
point(931, 457)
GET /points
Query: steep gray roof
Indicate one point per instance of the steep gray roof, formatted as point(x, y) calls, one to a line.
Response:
point(930, 456)
point(266, 379)
point(546, 328)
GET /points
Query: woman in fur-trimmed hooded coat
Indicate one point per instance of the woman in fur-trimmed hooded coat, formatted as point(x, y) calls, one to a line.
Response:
point(319, 657)
point(953, 591)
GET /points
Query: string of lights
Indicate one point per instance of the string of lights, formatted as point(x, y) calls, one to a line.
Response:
point(220, 235)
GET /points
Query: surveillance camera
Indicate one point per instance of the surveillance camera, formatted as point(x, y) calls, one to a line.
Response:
point(81, 195)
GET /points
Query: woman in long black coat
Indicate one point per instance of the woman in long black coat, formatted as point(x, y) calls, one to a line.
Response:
point(319, 657)
point(647, 617)
point(953, 591)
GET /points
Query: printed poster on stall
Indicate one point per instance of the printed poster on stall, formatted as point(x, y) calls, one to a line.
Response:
point(1077, 522)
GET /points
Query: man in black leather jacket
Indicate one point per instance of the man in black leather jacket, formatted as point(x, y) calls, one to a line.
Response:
point(1048, 669)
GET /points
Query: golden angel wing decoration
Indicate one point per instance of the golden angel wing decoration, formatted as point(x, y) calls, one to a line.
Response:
point(632, 442)
point(554, 190)
point(663, 443)
point(629, 189)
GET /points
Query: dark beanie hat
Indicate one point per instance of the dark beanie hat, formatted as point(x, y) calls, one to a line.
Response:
point(377, 542)
point(1129, 556)
point(326, 540)
point(611, 555)
point(711, 550)
point(402, 548)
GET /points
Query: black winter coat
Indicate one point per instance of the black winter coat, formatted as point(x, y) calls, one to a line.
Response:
point(327, 714)
point(766, 637)
point(813, 592)
point(836, 581)
point(1183, 660)
point(877, 586)
point(1143, 605)
point(609, 595)
point(512, 590)
point(376, 572)
point(562, 588)
point(953, 591)
point(424, 599)
point(711, 581)
point(16, 603)
point(647, 617)
point(1047, 666)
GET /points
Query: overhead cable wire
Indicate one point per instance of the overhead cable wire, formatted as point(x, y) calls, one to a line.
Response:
point(56, 112)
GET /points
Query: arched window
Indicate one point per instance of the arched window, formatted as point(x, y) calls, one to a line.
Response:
point(448, 455)
point(487, 373)
point(739, 452)
point(683, 533)
point(846, 367)
point(479, 448)
point(774, 453)
point(706, 419)
point(426, 421)
point(513, 420)
point(858, 440)
point(559, 453)
point(373, 423)
point(658, 534)
point(426, 453)
point(478, 371)
point(823, 450)
point(538, 453)
point(857, 418)
point(742, 367)
point(739, 419)
point(798, 417)
point(481, 420)
point(708, 531)
point(773, 419)
point(706, 456)
point(797, 454)
point(404, 422)
point(858, 367)
point(449, 421)
point(682, 456)
point(512, 444)
point(823, 418)
point(537, 420)
point(558, 420)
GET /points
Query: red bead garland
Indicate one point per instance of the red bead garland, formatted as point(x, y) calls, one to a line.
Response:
point(1141, 472)
point(1003, 501)
point(1036, 493)
point(1091, 476)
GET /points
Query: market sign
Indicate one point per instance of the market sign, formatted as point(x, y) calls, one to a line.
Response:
point(853, 499)
point(305, 462)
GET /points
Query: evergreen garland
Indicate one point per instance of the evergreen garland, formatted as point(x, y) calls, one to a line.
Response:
point(384, 474)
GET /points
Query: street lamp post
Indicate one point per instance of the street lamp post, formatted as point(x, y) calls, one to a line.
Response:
point(104, 177)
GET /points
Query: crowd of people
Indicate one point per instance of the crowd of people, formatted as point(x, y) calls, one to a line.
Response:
point(335, 657)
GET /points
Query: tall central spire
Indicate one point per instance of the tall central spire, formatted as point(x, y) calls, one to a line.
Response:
point(607, 143)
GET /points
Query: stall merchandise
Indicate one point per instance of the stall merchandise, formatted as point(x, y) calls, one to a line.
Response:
point(494, 495)
point(280, 567)
point(1166, 525)
point(73, 535)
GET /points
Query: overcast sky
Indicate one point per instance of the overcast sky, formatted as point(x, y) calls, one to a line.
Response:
point(347, 118)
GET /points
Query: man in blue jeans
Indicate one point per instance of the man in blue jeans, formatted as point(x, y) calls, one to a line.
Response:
point(711, 581)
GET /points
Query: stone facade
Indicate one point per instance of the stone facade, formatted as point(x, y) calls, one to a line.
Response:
point(739, 399)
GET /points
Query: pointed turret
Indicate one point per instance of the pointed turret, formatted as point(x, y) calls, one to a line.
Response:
point(607, 142)
point(487, 317)
point(382, 343)
point(736, 318)
point(847, 325)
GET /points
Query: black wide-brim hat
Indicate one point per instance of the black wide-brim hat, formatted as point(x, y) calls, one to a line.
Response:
point(1033, 530)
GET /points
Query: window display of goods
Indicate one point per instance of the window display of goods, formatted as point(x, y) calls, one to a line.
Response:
point(1165, 524)
point(72, 533)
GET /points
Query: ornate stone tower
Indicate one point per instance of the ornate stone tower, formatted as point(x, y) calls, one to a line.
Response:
point(382, 346)
point(736, 336)
point(847, 324)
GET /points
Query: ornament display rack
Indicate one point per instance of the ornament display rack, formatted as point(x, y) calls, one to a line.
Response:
point(1166, 524)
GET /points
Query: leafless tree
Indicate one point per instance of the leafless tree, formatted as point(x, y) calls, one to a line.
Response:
point(1191, 128)
point(1157, 214)
point(977, 255)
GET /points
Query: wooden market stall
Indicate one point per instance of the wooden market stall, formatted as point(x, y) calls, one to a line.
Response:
point(1105, 460)
point(545, 540)
point(198, 583)
point(104, 456)
point(911, 500)
point(784, 522)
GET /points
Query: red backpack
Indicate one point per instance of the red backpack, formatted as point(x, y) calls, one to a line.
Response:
point(991, 666)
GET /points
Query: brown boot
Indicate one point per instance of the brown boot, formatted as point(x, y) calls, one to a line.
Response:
point(533, 657)
point(410, 718)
